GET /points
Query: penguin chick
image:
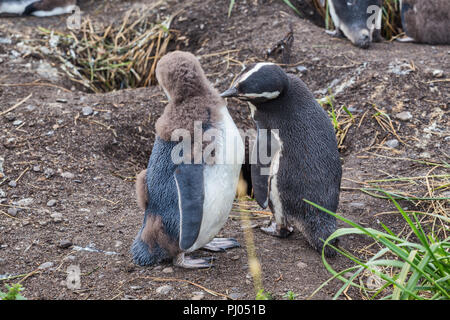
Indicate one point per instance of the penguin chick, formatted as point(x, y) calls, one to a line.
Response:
point(40, 8)
point(188, 202)
point(426, 21)
point(303, 160)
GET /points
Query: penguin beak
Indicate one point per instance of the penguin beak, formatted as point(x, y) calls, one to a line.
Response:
point(232, 92)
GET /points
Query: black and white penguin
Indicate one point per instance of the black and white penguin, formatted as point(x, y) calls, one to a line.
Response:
point(39, 8)
point(186, 204)
point(303, 163)
point(426, 21)
point(358, 20)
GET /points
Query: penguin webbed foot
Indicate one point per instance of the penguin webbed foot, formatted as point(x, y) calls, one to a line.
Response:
point(221, 244)
point(280, 231)
point(183, 261)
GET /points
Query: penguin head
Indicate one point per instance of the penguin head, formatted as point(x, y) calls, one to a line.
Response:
point(181, 76)
point(258, 83)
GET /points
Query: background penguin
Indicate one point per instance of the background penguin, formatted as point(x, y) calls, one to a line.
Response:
point(304, 162)
point(351, 17)
point(187, 204)
point(38, 8)
point(426, 21)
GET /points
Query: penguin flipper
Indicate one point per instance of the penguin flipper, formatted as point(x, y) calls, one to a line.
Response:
point(264, 149)
point(189, 180)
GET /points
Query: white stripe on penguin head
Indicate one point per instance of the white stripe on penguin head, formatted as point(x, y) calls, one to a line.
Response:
point(253, 70)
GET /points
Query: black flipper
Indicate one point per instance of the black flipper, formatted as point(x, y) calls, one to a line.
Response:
point(189, 178)
point(261, 170)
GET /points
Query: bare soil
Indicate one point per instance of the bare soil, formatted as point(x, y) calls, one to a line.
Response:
point(93, 159)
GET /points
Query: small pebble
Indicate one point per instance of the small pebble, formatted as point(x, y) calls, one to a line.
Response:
point(12, 212)
point(198, 295)
point(393, 143)
point(404, 116)
point(301, 265)
point(51, 203)
point(167, 270)
point(64, 244)
point(164, 289)
point(49, 173)
point(25, 202)
point(12, 183)
point(36, 168)
point(57, 217)
point(17, 123)
point(46, 265)
point(87, 111)
point(67, 175)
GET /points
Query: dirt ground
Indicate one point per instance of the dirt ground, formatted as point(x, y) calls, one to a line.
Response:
point(73, 202)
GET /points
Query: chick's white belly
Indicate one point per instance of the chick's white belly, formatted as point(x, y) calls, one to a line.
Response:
point(220, 181)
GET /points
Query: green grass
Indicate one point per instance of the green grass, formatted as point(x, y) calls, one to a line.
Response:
point(13, 293)
point(406, 267)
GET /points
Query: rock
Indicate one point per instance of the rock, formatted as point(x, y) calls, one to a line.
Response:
point(167, 270)
point(87, 111)
point(12, 183)
point(36, 168)
point(5, 41)
point(51, 203)
point(67, 175)
point(57, 217)
point(236, 295)
point(301, 69)
point(10, 117)
point(357, 205)
point(46, 71)
point(61, 100)
point(49, 173)
point(135, 288)
point(404, 116)
point(12, 212)
point(64, 244)
point(437, 73)
point(25, 202)
point(17, 123)
point(393, 143)
point(2, 194)
point(198, 295)
point(164, 289)
point(301, 265)
point(46, 265)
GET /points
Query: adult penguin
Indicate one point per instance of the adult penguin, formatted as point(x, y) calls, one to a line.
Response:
point(188, 188)
point(303, 160)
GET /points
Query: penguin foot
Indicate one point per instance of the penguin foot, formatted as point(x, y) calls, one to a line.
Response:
point(280, 231)
point(221, 244)
point(405, 39)
point(192, 263)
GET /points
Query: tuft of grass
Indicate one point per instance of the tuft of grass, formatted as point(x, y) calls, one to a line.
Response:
point(290, 295)
point(121, 55)
point(13, 293)
point(261, 295)
point(412, 267)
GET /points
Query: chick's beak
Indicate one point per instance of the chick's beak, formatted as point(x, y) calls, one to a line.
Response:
point(232, 92)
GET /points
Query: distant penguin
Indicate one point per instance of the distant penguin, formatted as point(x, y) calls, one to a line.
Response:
point(358, 20)
point(426, 21)
point(39, 8)
point(303, 163)
point(186, 204)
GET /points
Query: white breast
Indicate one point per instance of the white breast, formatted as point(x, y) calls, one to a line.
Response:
point(220, 180)
point(55, 11)
point(274, 194)
point(15, 7)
